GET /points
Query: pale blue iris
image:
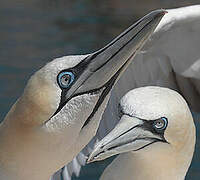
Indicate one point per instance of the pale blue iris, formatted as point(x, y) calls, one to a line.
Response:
point(65, 79)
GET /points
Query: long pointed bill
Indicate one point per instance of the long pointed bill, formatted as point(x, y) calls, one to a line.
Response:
point(108, 63)
point(128, 135)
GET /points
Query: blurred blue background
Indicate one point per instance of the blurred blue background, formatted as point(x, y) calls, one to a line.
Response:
point(34, 32)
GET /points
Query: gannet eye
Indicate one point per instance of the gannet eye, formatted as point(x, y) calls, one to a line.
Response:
point(160, 124)
point(65, 79)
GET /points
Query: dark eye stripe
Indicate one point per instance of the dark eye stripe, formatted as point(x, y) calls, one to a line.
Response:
point(65, 79)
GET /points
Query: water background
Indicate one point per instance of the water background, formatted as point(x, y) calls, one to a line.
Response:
point(34, 32)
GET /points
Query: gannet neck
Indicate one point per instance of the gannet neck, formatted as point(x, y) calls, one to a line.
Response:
point(128, 166)
point(19, 158)
point(6, 175)
point(28, 153)
point(148, 165)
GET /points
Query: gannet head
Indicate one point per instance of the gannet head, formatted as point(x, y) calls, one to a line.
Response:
point(70, 90)
point(62, 103)
point(155, 122)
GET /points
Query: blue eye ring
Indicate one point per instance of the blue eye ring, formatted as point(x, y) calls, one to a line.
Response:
point(160, 124)
point(65, 79)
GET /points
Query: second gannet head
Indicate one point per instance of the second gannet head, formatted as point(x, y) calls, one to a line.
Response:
point(156, 125)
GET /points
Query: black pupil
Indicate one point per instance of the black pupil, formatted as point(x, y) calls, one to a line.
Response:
point(159, 124)
point(65, 79)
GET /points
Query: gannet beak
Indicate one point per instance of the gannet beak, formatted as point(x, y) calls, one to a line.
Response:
point(107, 64)
point(130, 134)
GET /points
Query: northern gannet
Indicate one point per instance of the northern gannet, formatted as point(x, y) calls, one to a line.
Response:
point(61, 107)
point(156, 135)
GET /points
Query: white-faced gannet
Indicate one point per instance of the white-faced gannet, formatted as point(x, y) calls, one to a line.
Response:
point(157, 131)
point(62, 104)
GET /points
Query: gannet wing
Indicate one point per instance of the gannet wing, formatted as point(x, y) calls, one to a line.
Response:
point(71, 168)
point(74, 166)
point(170, 58)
